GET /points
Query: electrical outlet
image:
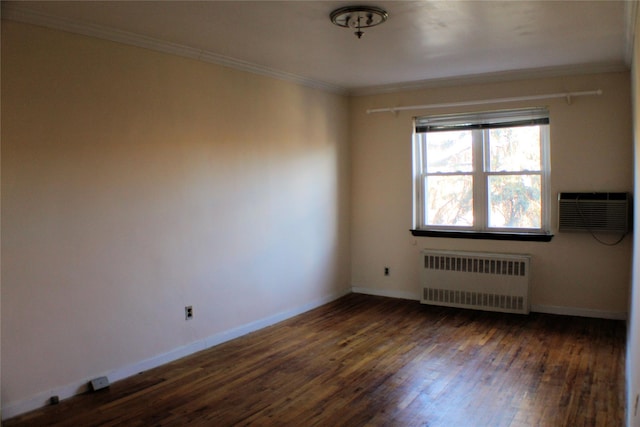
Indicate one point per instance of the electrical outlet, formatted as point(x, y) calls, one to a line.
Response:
point(99, 383)
point(386, 271)
point(188, 312)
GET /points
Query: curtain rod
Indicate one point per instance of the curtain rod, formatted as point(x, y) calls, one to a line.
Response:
point(567, 95)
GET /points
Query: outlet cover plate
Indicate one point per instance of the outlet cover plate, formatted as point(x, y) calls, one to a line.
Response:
point(99, 383)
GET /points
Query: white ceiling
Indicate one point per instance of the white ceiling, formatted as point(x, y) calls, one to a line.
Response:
point(422, 41)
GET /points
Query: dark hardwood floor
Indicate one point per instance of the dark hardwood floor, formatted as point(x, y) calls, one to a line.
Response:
point(371, 361)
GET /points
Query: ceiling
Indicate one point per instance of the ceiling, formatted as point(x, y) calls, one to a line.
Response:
point(422, 41)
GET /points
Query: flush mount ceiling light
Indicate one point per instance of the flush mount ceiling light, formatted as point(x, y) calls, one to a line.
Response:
point(358, 17)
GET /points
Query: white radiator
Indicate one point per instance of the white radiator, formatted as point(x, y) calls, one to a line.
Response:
point(484, 281)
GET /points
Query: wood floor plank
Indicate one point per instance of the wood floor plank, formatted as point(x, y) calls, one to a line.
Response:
point(373, 361)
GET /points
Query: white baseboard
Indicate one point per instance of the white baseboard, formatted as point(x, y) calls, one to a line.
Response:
point(548, 309)
point(386, 293)
point(580, 312)
point(12, 409)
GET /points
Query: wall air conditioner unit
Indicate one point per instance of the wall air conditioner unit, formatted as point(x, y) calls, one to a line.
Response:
point(594, 212)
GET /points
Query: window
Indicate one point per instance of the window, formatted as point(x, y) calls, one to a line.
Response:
point(483, 172)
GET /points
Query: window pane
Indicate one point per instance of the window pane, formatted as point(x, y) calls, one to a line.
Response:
point(449, 200)
point(449, 152)
point(514, 149)
point(514, 201)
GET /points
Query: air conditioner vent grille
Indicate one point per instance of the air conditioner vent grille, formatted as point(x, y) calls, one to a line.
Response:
point(602, 212)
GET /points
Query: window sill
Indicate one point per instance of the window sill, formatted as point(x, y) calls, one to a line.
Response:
point(484, 235)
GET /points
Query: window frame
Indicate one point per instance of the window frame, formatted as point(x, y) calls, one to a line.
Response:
point(481, 124)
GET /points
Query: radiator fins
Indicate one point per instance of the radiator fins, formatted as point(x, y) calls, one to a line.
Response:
point(483, 281)
point(475, 265)
point(473, 299)
point(595, 212)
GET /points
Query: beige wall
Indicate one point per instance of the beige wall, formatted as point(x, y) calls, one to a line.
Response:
point(135, 183)
point(633, 335)
point(591, 150)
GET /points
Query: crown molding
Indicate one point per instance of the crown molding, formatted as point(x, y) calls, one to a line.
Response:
point(17, 13)
point(497, 77)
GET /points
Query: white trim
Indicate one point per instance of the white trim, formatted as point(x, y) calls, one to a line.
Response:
point(17, 13)
point(386, 293)
point(580, 312)
point(12, 409)
point(546, 309)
